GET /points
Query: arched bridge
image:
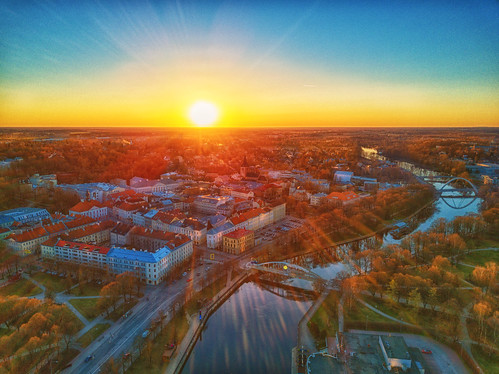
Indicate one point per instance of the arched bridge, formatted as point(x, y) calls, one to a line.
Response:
point(458, 188)
point(285, 269)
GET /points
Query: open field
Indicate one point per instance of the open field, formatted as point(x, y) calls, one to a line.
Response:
point(86, 289)
point(87, 307)
point(50, 281)
point(22, 287)
point(480, 258)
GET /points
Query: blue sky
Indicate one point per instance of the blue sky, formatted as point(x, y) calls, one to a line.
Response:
point(452, 44)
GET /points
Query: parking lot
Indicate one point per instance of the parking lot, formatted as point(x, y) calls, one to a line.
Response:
point(271, 232)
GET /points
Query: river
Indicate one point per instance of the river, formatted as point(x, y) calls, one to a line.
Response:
point(255, 329)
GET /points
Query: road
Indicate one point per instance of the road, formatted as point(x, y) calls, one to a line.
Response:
point(119, 338)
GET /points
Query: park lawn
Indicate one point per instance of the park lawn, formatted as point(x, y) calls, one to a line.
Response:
point(359, 313)
point(87, 307)
point(489, 241)
point(324, 322)
point(424, 318)
point(87, 289)
point(50, 281)
point(175, 330)
point(488, 362)
point(23, 287)
point(93, 334)
point(480, 258)
point(122, 309)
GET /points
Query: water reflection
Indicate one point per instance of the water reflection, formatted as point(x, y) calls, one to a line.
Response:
point(253, 332)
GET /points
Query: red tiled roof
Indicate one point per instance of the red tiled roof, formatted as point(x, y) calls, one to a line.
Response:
point(55, 227)
point(130, 207)
point(150, 233)
point(36, 233)
point(118, 195)
point(238, 234)
point(82, 246)
point(79, 221)
point(85, 206)
point(89, 230)
point(4, 229)
point(51, 242)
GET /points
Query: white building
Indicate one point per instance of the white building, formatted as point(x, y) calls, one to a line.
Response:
point(91, 208)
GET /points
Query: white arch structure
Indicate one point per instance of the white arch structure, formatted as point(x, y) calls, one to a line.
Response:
point(285, 269)
point(455, 205)
point(473, 187)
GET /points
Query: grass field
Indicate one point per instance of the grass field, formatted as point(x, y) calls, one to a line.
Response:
point(325, 321)
point(489, 362)
point(480, 258)
point(423, 318)
point(22, 287)
point(175, 330)
point(87, 307)
point(87, 289)
point(50, 281)
point(93, 334)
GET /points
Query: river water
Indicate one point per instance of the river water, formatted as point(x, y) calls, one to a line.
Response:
point(255, 330)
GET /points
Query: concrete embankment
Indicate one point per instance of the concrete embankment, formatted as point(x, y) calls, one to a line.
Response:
point(187, 345)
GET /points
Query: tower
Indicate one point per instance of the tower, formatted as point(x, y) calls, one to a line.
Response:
point(244, 167)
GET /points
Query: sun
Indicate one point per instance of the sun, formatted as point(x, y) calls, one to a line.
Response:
point(203, 113)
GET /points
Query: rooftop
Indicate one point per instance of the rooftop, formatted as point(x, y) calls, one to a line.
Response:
point(82, 246)
point(238, 234)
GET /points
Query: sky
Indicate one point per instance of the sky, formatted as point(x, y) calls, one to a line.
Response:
point(261, 63)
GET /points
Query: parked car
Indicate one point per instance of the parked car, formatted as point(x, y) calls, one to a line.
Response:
point(145, 334)
point(427, 351)
point(126, 355)
point(88, 358)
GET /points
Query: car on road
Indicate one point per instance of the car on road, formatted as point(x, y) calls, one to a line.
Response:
point(88, 358)
point(126, 355)
point(184, 274)
point(427, 351)
point(145, 334)
point(188, 280)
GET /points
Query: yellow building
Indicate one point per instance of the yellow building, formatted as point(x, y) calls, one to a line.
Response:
point(238, 241)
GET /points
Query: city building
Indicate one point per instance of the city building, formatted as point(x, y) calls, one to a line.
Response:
point(77, 253)
point(151, 266)
point(345, 197)
point(96, 233)
point(343, 177)
point(23, 215)
point(208, 204)
point(45, 181)
point(143, 185)
point(238, 241)
point(318, 198)
point(214, 237)
point(95, 191)
point(91, 208)
point(120, 234)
